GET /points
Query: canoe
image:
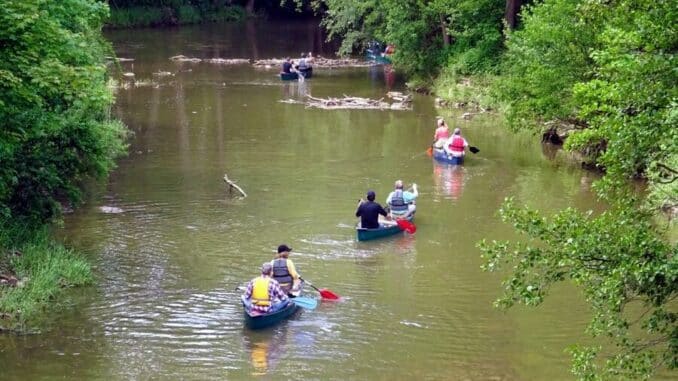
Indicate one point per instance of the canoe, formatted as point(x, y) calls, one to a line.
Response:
point(443, 157)
point(269, 319)
point(378, 58)
point(382, 231)
point(294, 76)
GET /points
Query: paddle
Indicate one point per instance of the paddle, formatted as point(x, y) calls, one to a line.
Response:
point(473, 149)
point(406, 226)
point(305, 302)
point(324, 293)
point(429, 151)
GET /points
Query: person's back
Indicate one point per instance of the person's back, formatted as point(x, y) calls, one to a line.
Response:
point(303, 65)
point(401, 202)
point(441, 134)
point(456, 144)
point(282, 274)
point(369, 212)
point(287, 66)
point(263, 293)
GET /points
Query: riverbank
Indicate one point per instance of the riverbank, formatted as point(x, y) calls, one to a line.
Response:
point(34, 271)
point(144, 16)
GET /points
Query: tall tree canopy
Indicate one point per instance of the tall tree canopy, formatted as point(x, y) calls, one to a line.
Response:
point(607, 68)
point(55, 127)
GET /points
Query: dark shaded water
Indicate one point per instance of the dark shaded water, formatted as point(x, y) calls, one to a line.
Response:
point(170, 244)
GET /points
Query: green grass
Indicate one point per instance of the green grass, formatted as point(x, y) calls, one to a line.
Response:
point(473, 91)
point(44, 269)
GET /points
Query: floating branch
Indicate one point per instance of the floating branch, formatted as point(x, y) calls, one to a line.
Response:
point(232, 185)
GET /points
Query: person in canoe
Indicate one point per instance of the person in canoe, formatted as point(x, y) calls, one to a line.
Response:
point(402, 202)
point(287, 66)
point(284, 270)
point(456, 144)
point(303, 63)
point(441, 135)
point(369, 211)
point(264, 293)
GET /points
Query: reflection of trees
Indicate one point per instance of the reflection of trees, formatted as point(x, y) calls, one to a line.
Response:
point(252, 38)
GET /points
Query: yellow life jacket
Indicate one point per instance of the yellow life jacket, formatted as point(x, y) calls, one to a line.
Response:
point(260, 295)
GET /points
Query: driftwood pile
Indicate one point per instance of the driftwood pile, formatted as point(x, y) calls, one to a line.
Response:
point(276, 63)
point(402, 102)
point(218, 61)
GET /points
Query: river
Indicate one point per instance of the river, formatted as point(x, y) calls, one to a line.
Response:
point(169, 243)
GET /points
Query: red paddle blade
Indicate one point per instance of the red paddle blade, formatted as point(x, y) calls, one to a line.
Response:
point(429, 151)
point(327, 294)
point(406, 226)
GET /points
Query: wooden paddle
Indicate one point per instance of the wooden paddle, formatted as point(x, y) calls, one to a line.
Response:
point(324, 293)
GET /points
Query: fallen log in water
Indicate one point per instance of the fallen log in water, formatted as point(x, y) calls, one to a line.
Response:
point(182, 58)
point(218, 61)
point(356, 103)
point(227, 61)
point(233, 185)
point(276, 63)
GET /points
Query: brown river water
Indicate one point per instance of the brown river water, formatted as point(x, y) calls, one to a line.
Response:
point(169, 244)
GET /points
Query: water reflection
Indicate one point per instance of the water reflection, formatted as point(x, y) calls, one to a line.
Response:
point(448, 180)
point(381, 75)
point(266, 348)
point(296, 90)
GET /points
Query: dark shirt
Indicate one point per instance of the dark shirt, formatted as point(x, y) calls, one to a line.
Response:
point(369, 212)
point(286, 67)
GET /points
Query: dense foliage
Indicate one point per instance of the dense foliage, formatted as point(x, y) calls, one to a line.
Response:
point(55, 127)
point(134, 13)
point(628, 273)
point(608, 70)
point(465, 35)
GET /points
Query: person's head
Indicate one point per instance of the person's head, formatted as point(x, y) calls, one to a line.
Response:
point(287, 59)
point(441, 122)
point(399, 184)
point(303, 55)
point(457, 131)
point(266, 268)
point(284, 251)
point(310, 54)
point(371, 195)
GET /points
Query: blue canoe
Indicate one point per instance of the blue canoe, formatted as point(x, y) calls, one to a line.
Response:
point(294, 76)
point(382, 231)
point(269, 319)
point(443, 157)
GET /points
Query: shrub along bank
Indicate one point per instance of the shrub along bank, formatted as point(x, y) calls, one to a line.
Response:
point(56, 132)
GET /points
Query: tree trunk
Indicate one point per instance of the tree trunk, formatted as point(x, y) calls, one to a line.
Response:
point(511, 14)
point(249, 7)
point(446, 36)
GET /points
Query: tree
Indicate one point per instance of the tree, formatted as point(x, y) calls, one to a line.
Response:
point(55, 124)
point(611, 67)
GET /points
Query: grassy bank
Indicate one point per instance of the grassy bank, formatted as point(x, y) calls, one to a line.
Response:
point(34, 271)
point(140, 16)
